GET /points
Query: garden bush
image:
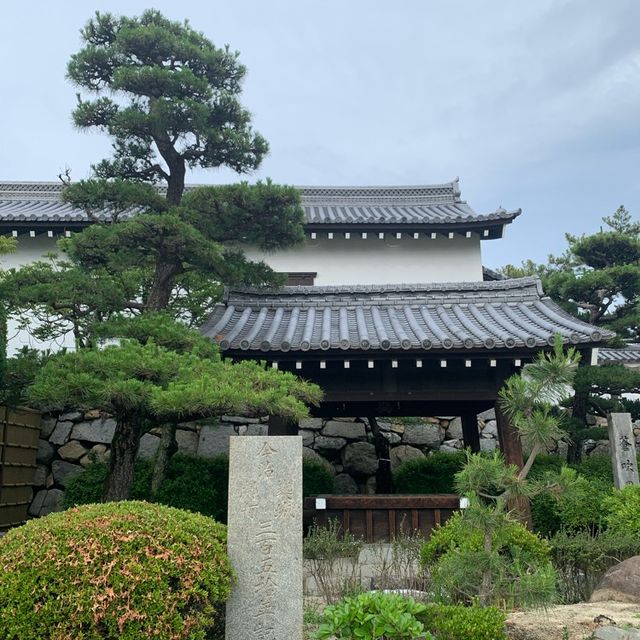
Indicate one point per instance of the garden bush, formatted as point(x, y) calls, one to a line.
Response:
point(521, 572)
point(374, 615)
point(121, 570)
point(433, 474)
point(580, 559)
point(623, 511)
point(317, 479)
point(192, 483)
point(455, 622)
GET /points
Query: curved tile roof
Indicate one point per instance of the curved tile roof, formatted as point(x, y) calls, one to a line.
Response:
point(458, 316)
point(432, 206)
point(629, 355)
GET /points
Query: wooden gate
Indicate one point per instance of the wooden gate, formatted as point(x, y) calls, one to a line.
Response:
point(19, 432)
point(380, 518)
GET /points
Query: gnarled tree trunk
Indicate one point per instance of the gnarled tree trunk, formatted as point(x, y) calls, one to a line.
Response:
point(124, 449)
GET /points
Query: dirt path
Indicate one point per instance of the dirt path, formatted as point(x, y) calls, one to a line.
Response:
point(577, 619)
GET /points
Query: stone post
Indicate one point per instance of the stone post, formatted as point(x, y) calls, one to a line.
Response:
point(623, 450)
point(265, 538)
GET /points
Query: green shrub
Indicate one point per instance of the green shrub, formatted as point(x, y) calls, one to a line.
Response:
point(197, 484)
point(545, 463)
point(373, 616)
point(521, 572)
point(433, 474)
point(87, 487)
point(455, 622)
point(579, 506)
point(623, 510)
point(580, 559)
point(317, 479)
point(113, 571)
point(192, 483)
point(596, 467)
point(455, 534)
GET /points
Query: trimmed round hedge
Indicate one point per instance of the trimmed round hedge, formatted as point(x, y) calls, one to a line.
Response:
point(124, 570)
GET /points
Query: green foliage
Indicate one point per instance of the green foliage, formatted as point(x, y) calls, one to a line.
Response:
point(176, 90)
point(317, 479)
point(455, 622)
point(623, 511)
point(20, 371)
point(433, 474)
point(545, 463)
point(517, 562)
point(7, 245)
point(580, 559)
point(611, 379)
point(596, 467)
point(598, 276)
point(112, 571)
point(576, 504)
point(87, 487)
point(511, 539)
point(192, 483)
point(373, 616)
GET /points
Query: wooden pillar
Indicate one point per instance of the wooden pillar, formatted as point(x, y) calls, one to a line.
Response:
point(509, 439)
point(282, 426)
point(470, 433)
point(511, 447)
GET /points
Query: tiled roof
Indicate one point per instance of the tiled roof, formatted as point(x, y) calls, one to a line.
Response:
point(397, 207)
point(462, 316)
point(628, 355)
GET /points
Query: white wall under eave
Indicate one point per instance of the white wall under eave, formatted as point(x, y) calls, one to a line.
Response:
point(30, 250)
point(380, 261)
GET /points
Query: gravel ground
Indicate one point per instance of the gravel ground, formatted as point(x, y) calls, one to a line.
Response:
point(580, 620)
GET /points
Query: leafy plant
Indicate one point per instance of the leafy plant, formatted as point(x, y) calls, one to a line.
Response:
point(457, 559)
point(580, 559)
point(455, 622)
point(373, 616)
point(432, 474)
point(623, 510)
point(333, 559)
point(316, 478)
point(494, 490)
point(114, 571)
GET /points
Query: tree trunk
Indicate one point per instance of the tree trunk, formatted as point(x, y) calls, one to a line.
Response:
point(124, 448)
point(162, 285)
point(579, 415)
point(485, 586)
point(168, 446)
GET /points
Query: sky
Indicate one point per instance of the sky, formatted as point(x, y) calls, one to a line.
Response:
point(534, 105)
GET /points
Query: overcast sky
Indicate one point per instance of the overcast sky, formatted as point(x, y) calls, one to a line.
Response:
point(532, 104)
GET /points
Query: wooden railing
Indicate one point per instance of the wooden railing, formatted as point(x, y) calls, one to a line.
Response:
point(380, 518)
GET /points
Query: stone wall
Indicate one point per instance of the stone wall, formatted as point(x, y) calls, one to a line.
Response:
point(70, 441)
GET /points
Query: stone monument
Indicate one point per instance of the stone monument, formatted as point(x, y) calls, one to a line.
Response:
point(265, 538)
point(623, 450)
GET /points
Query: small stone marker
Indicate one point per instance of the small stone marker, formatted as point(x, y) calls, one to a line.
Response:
point(623, 450)
point(265, 538)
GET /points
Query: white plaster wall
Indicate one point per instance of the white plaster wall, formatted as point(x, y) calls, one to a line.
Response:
point(380, 261)
point(29, 250)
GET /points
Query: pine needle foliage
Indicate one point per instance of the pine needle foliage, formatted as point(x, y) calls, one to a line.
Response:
point(163, 373)
point(493, 487)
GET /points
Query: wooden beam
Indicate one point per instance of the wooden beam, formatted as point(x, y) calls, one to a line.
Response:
point(470, 432)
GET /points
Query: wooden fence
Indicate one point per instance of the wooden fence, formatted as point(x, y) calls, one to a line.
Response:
point(19, 432)
point(380, 518)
